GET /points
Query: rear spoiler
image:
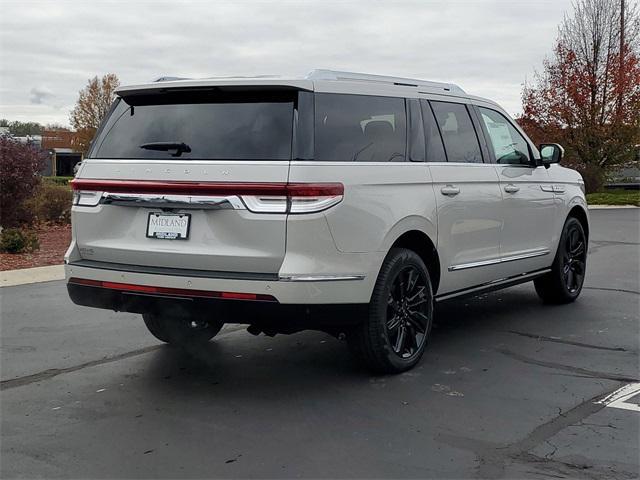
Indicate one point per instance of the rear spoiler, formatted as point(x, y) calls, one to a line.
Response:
point(218, 84)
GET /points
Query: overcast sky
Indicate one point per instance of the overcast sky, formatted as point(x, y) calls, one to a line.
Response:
point(49, 49)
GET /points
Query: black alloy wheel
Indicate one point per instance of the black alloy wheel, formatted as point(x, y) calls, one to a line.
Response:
point(574, 258)
point(564, 282)
point(407, 312)
point(395, 332)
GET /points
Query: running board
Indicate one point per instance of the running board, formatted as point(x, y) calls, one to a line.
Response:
point(493, 285)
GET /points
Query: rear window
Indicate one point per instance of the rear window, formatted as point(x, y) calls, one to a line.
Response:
point(206, 125)
point(360, 128)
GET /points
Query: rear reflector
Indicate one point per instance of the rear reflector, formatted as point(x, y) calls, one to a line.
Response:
point(176, 292)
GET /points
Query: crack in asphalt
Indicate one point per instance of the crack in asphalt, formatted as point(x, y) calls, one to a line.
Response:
point(559, 366)
point(54, 372)
point(612, 242)
point(492, 457)
point(567, 342)
point(622, 290)
point(571, 469)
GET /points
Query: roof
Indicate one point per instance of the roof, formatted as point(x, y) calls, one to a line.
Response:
point(330, 81)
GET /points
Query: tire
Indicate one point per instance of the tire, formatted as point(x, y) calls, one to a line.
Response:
point(402, 301)
point(179, 330)
point(564, 283)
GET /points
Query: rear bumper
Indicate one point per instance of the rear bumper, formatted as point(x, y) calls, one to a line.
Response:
point(270, 315)
point(307, 290)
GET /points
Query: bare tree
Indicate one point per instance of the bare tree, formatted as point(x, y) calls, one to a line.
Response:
point(92, 106)
point(56, 126)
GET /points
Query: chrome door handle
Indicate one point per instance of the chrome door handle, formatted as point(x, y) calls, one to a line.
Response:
point(552, 188)
point(450, 190)
point(511, 188)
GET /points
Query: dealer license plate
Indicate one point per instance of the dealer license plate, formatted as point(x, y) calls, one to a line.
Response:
point(168, 226)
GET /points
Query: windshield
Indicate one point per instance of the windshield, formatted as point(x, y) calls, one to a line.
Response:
point(208, 125)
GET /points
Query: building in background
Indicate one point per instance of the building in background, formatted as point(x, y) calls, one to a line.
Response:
point(61, 147)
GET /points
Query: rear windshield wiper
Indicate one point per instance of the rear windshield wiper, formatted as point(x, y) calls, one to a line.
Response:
point(166, 146)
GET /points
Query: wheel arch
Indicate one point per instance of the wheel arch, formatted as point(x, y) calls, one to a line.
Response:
point(579, 213)
point(421, 244)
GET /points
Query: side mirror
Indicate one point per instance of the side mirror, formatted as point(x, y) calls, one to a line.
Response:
point(551, 153)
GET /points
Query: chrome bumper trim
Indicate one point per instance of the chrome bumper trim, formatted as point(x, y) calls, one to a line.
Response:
point(319, 278)
point(175, 272)
point(199, 202)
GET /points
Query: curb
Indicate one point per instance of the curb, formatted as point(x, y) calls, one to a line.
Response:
point(10, 278)
point(609, 207)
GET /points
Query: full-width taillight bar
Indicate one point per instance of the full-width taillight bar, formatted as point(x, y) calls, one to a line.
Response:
point(208, 188)
point(172, 292)
point(259, 197)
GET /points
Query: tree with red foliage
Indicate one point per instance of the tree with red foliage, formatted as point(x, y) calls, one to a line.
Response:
point(20, 167)
point(588, 96)
point(94, 102)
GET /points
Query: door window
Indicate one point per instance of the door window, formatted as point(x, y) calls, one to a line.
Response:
point(458, 133)
point(508, 145)
point(360, 128)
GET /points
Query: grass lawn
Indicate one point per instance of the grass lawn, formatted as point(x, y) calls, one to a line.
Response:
point(615, 197)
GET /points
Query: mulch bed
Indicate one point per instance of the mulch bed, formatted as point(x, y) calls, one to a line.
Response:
point(54, 241)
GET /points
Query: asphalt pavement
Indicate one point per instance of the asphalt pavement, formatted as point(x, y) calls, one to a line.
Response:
point(508, 388)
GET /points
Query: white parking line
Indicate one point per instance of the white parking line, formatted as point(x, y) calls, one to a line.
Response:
point(618, 398)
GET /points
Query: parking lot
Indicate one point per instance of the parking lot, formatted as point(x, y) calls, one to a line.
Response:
point(509, 387)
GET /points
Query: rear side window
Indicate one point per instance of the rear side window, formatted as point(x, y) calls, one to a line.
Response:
point(458, 133)
point(360, 128)
point(508, 145)
point(199, 126)
point(416, 131)
point(435, 149)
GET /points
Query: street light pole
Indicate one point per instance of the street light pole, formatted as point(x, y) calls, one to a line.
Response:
point(621, 61)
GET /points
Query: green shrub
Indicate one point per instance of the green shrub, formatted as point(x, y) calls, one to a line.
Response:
point(19, 177)
point(15, 240)
point(52, 203)
point(64, 181)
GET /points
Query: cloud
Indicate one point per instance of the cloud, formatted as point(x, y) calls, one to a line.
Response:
point(488, 47)
point(38, 95)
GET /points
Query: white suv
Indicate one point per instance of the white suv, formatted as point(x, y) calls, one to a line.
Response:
point(341, 202)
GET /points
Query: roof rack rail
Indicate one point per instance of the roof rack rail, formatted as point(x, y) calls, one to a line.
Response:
point(241, 77)
point(170, 79)
point(365, 77)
